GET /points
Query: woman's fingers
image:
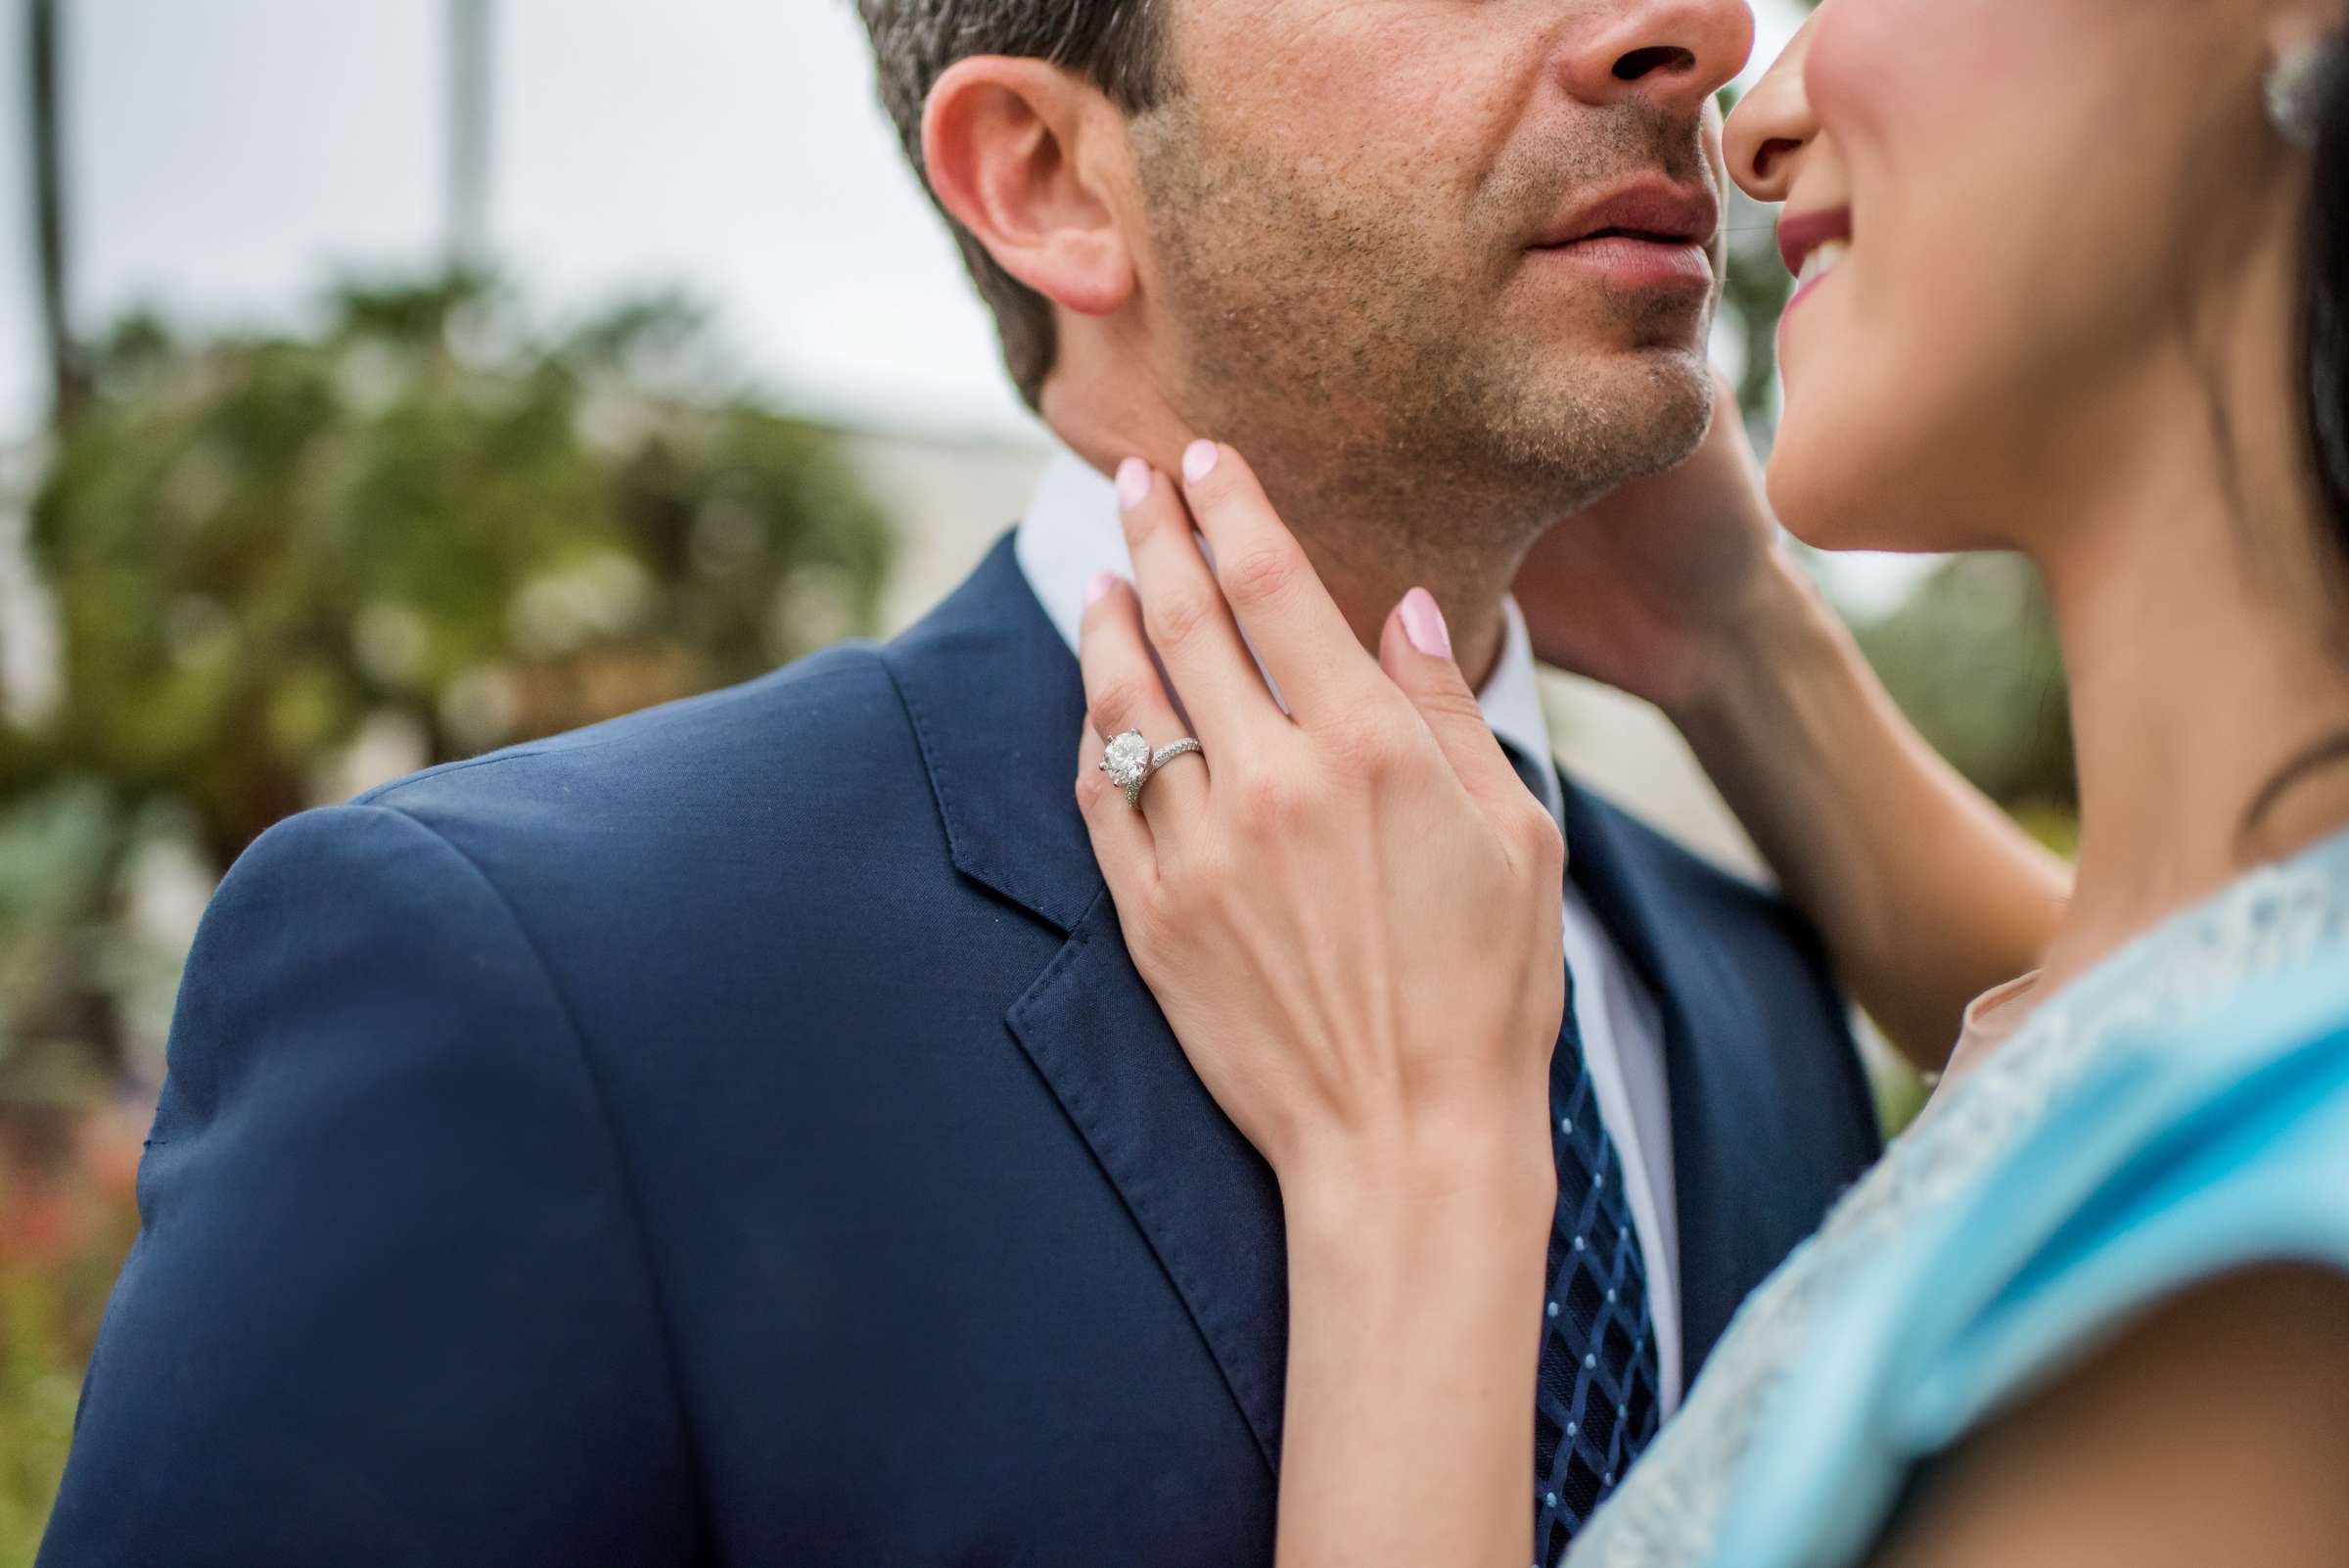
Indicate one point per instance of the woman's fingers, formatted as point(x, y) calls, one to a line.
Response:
point(1415, 650)
point(1121, 841)
point(1187, 622)
point(1123, 691)
point(1295, 626)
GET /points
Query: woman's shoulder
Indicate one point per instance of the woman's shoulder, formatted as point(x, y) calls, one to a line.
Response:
point(2184, 1154)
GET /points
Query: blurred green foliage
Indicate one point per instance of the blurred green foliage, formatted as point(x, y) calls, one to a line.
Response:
point(39, 1387)
point(421, 517)
point(1971, 657)
point(253, 543)
point(58, 1256)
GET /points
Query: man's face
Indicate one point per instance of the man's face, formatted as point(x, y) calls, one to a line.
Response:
point(1468, 247)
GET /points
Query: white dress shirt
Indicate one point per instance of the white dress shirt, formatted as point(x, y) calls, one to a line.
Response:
point(1072, 532)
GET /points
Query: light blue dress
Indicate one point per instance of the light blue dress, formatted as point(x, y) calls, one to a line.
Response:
point(2180, 1111)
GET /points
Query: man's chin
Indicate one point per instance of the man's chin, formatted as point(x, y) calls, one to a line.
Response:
point(1631, 384)
point(1606, 418)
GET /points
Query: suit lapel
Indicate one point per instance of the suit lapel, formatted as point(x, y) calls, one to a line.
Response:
point(997, 701)
point(997, 705)
point(1207, 1202)
point(1714, 1069)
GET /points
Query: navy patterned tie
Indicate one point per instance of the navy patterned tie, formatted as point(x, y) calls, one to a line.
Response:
point(1596, 1404)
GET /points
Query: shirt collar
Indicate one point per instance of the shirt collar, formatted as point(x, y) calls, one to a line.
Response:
point(1071, 533)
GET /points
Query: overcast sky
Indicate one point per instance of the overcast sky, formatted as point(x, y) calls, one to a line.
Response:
point(226, 157)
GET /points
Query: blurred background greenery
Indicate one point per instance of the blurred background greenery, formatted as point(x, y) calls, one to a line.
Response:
point(283, 565)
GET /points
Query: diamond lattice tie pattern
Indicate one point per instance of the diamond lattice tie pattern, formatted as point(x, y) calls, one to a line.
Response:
point(1595, 1406)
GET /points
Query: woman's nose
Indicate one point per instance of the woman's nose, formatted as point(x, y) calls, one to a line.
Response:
point(1675, 54)
point(1770, 126)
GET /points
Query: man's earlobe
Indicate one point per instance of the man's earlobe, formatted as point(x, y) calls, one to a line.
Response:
point(1003, 144)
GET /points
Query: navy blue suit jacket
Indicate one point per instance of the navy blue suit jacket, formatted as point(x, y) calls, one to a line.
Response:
point(735, 1132)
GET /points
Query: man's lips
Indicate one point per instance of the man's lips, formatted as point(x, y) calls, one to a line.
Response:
point(1801, 233)
point(1653, 210)
point(1650, 236)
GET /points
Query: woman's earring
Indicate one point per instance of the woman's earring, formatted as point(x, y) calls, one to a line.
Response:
point(2299, 83)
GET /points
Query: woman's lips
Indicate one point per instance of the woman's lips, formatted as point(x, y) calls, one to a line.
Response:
point(1813, 245)
point(1801, 233)
point(1823, 259)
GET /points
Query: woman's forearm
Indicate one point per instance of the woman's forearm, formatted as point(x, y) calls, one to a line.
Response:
point(1926, 894)
point(1414, 1329)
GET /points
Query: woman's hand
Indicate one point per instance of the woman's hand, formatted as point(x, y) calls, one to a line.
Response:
point(1350, 914)
point(1349, 911)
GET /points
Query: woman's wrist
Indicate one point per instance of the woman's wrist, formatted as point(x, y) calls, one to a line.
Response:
point(1775, 636)
point(1358, 1195)
point(1414, 1311)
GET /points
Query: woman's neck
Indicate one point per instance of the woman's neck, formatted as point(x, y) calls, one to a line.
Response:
point(2190, 600)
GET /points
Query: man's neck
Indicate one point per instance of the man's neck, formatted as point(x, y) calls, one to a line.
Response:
point(1367, 552)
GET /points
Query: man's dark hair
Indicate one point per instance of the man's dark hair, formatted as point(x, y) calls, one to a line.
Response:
point(1116, 44)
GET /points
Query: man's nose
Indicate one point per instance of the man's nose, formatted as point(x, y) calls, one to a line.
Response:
point(1675, 54)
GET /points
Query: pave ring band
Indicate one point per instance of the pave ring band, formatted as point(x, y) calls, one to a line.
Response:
point(1129, 762)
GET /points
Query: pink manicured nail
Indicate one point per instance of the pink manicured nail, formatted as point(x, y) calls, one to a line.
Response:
point(1423, 623)
point(1099, 589)
point(1134, 482)
point(1198, 461)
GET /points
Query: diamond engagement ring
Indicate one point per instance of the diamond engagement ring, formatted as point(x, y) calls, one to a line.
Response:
point(1129, 761)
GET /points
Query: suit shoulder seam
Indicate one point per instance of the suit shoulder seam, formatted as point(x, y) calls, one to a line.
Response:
point(607, 1124)
point(381, 794)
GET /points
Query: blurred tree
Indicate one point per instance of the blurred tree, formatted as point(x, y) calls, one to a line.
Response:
point(421, 521)
point(1971, 657)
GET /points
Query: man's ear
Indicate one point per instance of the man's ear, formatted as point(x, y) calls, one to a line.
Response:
point(1004, 144)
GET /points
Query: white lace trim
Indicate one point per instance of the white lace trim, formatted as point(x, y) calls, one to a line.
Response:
point(1667, 1513)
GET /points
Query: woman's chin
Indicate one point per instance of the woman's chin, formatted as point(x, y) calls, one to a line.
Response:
point(1813, 505)
point(1829, 500)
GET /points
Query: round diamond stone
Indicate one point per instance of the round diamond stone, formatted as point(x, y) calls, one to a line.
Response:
point(1127, 760)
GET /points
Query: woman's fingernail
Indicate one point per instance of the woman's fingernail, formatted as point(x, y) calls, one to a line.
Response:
point(1423, 623)
point(1134, 482)
point(1198, 461)
point(1099, 589)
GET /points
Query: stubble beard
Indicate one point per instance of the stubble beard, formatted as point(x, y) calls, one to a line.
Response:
point(1370, 374)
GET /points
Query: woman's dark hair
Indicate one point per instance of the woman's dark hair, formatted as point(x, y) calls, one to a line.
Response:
point(2328, 310)
point(2326, 316)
